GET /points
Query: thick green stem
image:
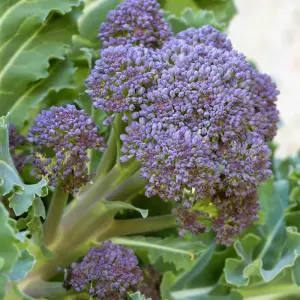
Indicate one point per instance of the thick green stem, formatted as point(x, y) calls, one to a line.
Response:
point(128, 189)
point(98, 191)
point(137, 226)
point(108, 159)
point(76, 243)
point(45, 289)
point(55, 212)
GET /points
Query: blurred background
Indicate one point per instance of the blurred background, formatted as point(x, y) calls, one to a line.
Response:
point(268, 32)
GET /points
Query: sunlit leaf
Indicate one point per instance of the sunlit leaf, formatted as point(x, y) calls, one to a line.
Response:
point(20, 195)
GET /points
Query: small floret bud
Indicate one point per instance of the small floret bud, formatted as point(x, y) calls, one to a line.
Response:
point(135, 22)
point(62, 136)
point(107, 272)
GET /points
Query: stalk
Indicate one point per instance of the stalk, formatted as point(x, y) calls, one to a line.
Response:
point(98, 191)
point(55, 212)
point(128, 189)
point(72, 249)
point(137, 226)
point(108, 159)
point(45, 289)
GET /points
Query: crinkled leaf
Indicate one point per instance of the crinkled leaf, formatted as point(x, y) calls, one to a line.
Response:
point(224, 10)
point(199, 292)
point(8, 249)
point(176, 7)
point(180, 253)
point(270, 248)
point(24, 264)
point(32, 223)
point(60, 77)
point(32, 33)
point(204, 280)
point(21, 195)
point(197, 19)
point(137, 296)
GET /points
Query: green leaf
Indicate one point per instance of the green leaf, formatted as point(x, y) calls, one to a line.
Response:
point(8, 249)
point(296, 271)
point(32, 33)
point(24, 264)
point(190, 18)
point(176, 7)
point(33, 224)
point(177, 251)
point(60, 77)
point(94, 13)
point(205, 294)
point(205, 279)
point(21, 195)
point(14, 293)
point(118, 206)
point(166, 284)
point(270, 248)
point(224, 10)
point(138, 296)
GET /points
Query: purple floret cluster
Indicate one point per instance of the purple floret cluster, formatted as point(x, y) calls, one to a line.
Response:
point(201, 117)
point(107, 272)
point(135, 22)
point(207, 35)
point(122, 76)
point(62, 136)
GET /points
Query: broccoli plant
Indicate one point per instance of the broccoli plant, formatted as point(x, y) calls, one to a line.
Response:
point(136, 156)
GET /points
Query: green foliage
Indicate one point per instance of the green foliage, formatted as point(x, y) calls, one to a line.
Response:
point(190, 18)
point(8, 249)
point(267, 256)
point(272, 247)
point(179, 252)
point(137, 296)
point(94, 13)
point(197, 13)
point(32, 33)
point(23, 265)
point(20, 195)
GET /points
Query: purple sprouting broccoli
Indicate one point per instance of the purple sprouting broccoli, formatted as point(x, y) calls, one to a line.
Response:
point(205, 35)
point(202, 132)
point(107, 272)
point(62, 136)
point(135, 22)
point(16, 142)
point(122, 76)
point(201, 120)
point(202, 108)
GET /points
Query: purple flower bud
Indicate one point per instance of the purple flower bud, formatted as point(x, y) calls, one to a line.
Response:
point(69, 133)
point(107, 272)
point(136, 22)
